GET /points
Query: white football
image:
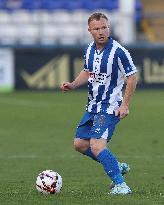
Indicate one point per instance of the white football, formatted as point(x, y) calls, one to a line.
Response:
point(49, 182)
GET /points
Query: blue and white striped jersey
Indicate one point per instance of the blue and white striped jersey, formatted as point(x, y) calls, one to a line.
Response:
point(107, 69)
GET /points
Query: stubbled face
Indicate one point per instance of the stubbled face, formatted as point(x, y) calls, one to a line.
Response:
point(99, 31)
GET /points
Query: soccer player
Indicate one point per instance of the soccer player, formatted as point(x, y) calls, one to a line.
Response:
point(107, 63)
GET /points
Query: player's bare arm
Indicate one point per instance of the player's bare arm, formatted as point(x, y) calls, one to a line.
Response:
point(123, 110)
point(81, 79)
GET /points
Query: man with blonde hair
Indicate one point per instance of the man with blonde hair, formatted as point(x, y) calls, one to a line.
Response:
point(106, 65)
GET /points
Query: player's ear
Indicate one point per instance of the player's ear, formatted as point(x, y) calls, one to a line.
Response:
point(89, 29)
point(109, 27)
point(109, 30)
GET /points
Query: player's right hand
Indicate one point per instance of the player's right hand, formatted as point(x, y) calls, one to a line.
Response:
point(66, 86)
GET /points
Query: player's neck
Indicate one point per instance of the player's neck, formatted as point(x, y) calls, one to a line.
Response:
point(100, 46)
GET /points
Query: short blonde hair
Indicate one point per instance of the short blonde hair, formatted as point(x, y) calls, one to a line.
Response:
point(97, 16)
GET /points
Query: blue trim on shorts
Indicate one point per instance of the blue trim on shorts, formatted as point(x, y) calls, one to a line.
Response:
point(93, 125)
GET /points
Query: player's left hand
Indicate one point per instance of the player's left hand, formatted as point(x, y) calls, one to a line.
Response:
point(122, 111)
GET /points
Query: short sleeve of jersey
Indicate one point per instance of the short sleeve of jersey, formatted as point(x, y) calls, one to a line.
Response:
point(85, 63)
point(125, 62)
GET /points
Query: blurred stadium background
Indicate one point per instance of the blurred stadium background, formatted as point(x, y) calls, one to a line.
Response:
point(42, 41)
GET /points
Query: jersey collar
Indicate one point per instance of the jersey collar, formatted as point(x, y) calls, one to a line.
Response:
point(107, 46)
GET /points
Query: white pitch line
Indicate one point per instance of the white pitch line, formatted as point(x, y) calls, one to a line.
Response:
point(32, 157)
point(76, 156)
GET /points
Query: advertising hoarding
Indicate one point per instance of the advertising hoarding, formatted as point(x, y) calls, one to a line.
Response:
point(6, 70)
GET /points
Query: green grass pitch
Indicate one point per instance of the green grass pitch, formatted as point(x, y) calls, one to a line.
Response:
point(37, 131)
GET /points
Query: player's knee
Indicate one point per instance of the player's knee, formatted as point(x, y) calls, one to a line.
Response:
point(97, 145)
point(95, 149)
point(78, 146)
